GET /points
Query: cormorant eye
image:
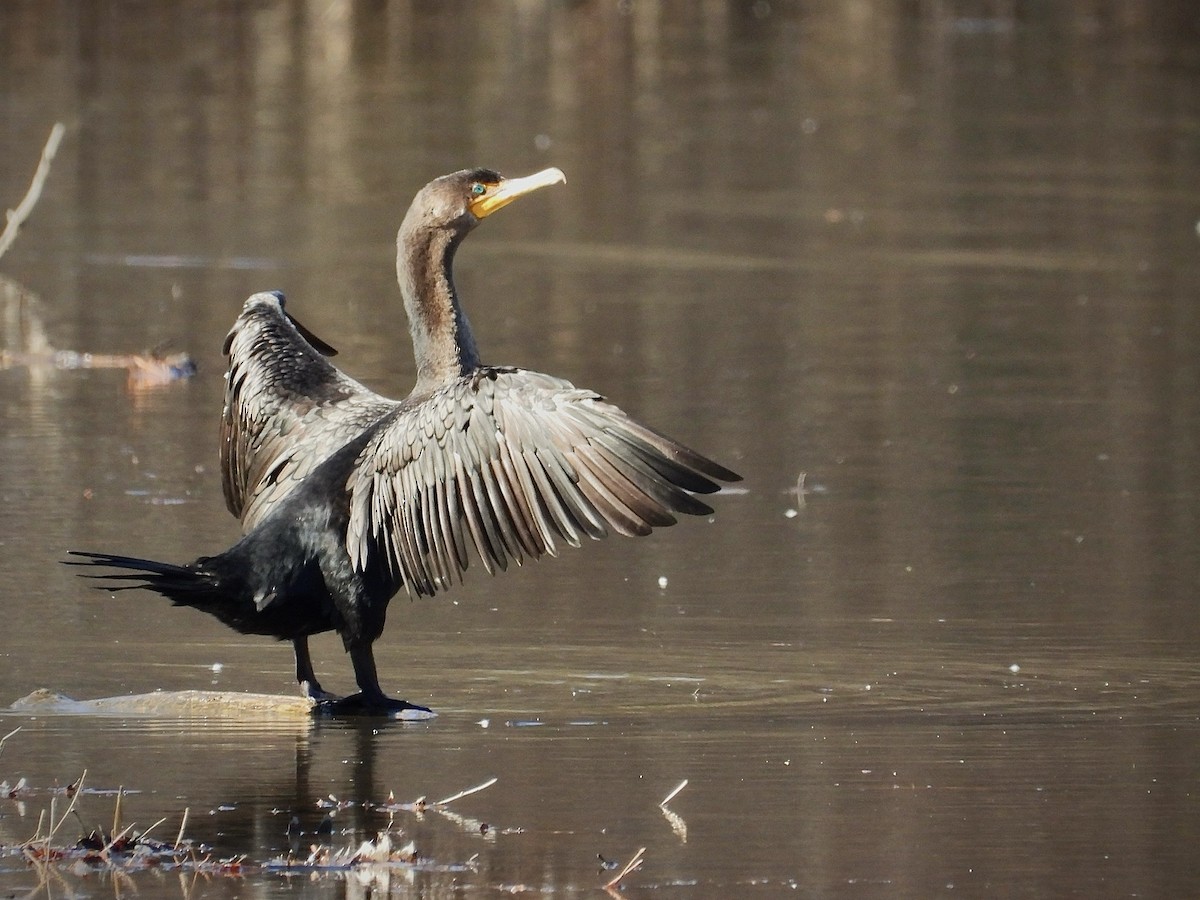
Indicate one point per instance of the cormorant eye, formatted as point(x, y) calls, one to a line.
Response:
point(478, 189)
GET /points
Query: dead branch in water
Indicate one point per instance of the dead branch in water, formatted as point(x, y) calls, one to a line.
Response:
point(17, 217)
point(467, 792)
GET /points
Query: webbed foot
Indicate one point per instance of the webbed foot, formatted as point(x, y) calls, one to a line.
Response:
point(361, 704)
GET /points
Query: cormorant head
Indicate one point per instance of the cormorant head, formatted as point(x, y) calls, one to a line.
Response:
point(460, 200)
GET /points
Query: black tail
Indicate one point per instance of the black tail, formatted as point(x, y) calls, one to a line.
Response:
point(210, 584)
point(185, 585)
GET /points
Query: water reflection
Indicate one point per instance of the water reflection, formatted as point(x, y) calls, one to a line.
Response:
point(938, 256)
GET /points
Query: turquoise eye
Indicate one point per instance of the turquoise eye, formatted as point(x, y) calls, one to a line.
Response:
point(478, 189)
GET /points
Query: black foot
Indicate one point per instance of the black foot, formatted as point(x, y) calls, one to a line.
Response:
point(367, 705)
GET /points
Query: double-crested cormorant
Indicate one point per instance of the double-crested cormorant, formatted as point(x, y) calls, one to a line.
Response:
point(345, 495)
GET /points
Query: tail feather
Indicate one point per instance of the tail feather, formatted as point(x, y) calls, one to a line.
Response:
point(186, 585)
point(210, 584)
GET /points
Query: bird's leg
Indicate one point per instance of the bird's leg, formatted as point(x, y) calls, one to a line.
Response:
point(363, 659)
point(370, 700)
point(305, 674)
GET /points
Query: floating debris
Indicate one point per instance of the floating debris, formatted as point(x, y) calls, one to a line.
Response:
point(27, 345)
point(678, 825)
point(122, 851)
point(185, 704)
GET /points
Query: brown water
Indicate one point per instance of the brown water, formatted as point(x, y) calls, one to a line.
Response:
point(941, 259)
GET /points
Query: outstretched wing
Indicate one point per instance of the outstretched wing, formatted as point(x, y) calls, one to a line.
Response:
point(512, 462)
point(287, 408)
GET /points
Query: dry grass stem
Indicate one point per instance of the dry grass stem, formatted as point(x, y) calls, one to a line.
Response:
point(182, 825)
point(7, 736)
point(142, 836)
point(122, 853)
point(116, 825)
point(55, 825)
point(633, 865)
point(116, 839)
point(38, 833)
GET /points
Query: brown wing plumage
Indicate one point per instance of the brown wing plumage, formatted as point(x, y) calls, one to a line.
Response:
point(511, 463)
point(287, 408)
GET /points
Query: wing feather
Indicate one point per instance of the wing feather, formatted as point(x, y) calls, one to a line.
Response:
point(641, 474)
point(533, 504)
point(565, 524)
point(618, 515)
point(468, 496)
point(287, 408)
point(516, 503)
point(641, 503)
point(511, 462)
point(566, 482)
point(496, 510)
point(481, 500)
point(436, 547)
point(450, 523)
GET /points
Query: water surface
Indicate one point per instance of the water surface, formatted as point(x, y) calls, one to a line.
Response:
point(925, 274)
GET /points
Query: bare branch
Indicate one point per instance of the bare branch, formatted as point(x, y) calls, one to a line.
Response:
point(17, 217)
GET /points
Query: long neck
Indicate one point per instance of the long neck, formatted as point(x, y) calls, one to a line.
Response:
point(442, 341)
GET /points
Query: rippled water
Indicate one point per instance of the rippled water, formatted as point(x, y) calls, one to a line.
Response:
point(926, 274)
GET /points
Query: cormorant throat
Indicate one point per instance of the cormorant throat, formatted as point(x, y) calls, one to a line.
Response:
point(442, 340)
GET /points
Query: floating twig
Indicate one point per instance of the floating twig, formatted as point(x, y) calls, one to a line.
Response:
point(673, 818)
point(674, 792)
point(467, 792)
point(17, 217)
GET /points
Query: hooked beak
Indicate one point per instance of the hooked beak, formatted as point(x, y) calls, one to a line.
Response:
point(510, 189)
